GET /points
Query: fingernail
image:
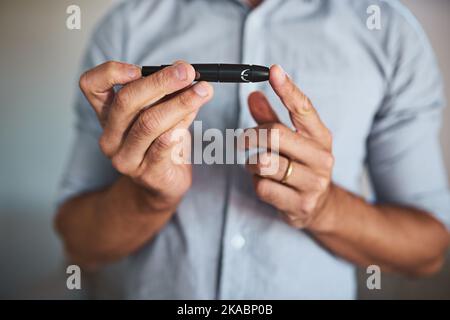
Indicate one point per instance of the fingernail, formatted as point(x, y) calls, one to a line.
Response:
point(180, 71)
point(201, 90)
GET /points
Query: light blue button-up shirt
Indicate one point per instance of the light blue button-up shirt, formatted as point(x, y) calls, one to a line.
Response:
point(379, 91)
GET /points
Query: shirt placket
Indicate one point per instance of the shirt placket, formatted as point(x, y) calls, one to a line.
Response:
point(237, 232)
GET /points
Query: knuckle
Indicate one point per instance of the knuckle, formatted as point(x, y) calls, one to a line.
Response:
point(83, 82)
point(105, 146)
point(328, 160)
point(292, 219)
point(263, 190)
point(258, 168)
point(134, 135)
point(299, 224)
point(291, 89)
point(121, 165)
point(163, 142)
point(293, 222)
point(111, 67)
point(123, 98)
point(264, 159)
point(308, 205)
point(185, 99)
point(270, 166)
point(303, 103)
point(289, 220)
point(307, 101)
point(147, 123)
point(154, 153)
point(297, 110)
point(160, 79)
point(321, 184)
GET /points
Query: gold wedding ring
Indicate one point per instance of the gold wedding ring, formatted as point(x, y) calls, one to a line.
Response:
point(288, 172)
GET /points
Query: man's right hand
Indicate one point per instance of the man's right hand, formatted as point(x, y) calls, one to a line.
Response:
point(138, 122)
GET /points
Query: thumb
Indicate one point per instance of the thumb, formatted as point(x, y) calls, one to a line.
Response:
point(260, 108)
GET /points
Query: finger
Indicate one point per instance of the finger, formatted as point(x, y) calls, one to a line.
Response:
point(260, 108)
point(131, 99)
point(171, 148)
point(303, 114)
point(156, 120)
point(279, 138)
point(158, 168)
point(273, 166)
point(181, 152)
point(97, 83)
point(278, 195)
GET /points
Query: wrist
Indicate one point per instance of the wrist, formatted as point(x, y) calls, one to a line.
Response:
point(326, 219)
point(154, 202)
point(147, 201)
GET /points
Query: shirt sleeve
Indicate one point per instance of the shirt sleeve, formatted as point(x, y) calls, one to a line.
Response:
point(87, 168)
point(404, 154)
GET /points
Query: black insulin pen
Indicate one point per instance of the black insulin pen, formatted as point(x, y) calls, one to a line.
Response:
point(221, 72)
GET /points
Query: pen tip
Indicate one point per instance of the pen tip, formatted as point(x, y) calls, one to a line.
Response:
point(260, 73)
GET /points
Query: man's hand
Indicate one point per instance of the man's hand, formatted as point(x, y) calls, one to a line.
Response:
point(105, 225)
point(395, 238)
point(300, 187)
point(138, 122)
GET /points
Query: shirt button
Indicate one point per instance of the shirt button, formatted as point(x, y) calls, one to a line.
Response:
point(238, 241)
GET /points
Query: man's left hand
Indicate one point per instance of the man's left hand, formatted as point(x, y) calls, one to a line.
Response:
point(301, 188)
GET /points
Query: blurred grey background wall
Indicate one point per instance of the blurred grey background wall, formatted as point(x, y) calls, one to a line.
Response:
point(39, 60)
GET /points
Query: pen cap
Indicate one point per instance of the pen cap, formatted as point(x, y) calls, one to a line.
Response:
point(259, 73)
